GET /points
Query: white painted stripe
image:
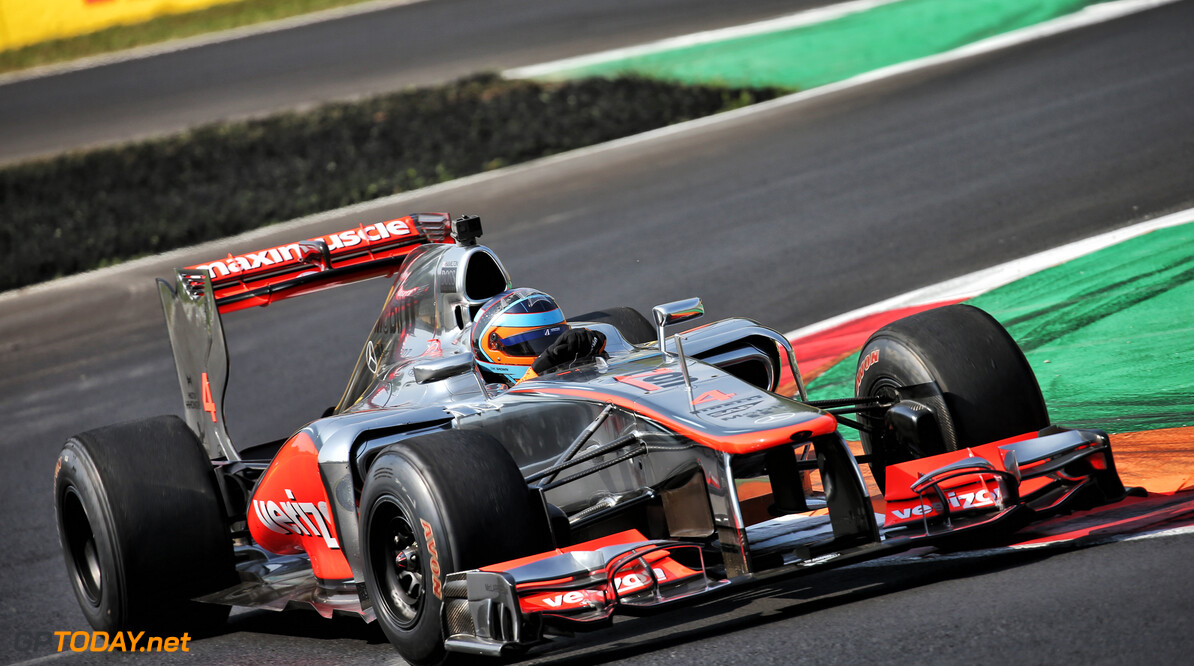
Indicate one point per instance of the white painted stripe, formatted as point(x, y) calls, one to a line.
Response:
point(1176, 531)
point(905, 558)
point(185, 43)
point(1114, 538)
point(797, 20)
point(980, 282)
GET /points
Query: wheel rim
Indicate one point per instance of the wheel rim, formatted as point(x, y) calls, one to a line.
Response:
point(397, 563)
point(81, 547)
point(886, 388)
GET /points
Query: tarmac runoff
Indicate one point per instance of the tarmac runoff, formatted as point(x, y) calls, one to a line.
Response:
point(1090, 15)
point(837, 43)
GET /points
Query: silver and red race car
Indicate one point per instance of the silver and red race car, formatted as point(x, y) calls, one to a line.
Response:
point(466, 517)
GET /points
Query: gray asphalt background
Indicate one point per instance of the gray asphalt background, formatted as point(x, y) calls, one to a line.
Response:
point(419, 44)
point(788, 216)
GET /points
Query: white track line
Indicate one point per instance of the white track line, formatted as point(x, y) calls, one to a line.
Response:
point(904, 558)
point(1175, 531)
point(799, 19)
point(980, 282)
point(175, 45)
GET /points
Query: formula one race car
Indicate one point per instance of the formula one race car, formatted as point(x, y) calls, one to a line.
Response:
point(468, 517)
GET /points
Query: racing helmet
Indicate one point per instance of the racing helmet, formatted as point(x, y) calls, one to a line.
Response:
point(512, 329)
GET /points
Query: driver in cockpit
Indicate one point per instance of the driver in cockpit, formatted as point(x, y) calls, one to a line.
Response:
point(521, 333)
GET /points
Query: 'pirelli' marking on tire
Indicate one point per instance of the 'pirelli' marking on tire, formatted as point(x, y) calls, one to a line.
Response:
point(437, 585)
point(871, 359)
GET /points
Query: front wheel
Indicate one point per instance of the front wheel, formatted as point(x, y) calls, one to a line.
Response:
point(441, 503)
point(961, 364)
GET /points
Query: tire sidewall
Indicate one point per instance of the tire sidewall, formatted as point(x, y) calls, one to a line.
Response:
point(77, 474)
point(395, 480)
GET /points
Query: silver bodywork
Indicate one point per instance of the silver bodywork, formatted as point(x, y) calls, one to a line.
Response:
point(422, 333)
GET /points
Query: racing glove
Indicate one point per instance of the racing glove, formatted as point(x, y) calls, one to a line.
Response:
point(577, 344)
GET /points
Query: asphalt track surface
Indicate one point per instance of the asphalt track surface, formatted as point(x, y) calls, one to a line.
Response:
point(789, 216)
point(422, 43)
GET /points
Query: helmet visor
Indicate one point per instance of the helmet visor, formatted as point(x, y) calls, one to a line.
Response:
point(528, 344)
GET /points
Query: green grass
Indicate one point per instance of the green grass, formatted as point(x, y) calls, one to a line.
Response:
point(161, 29)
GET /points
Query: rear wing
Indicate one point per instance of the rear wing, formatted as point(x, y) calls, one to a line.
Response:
point(198, 295)
point(260, 278)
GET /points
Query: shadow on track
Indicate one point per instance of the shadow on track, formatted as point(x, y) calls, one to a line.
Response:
point(761, 606)
point(305, 624)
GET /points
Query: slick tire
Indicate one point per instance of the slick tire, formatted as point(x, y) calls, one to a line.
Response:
point(635, 328)
point(960, 363)
point(445, 502)
point(142, 528)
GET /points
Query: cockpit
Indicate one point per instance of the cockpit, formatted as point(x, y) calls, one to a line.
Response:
point(426, 315)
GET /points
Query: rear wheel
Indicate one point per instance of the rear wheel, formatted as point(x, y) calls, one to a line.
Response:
point(142, 527)
point(631, 323)
point(445, 502)
point(961, 364)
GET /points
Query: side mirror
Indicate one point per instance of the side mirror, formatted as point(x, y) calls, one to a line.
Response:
point(441, 368)
point(675, 313)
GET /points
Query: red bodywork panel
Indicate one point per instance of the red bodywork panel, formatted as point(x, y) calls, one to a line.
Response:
point(290, 513)
point(970, 493)
point(578, 592)
point(371, 250)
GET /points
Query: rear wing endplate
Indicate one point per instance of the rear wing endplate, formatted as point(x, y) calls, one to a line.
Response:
point(200, 357)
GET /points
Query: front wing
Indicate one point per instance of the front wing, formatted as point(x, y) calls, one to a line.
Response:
point(969, 496)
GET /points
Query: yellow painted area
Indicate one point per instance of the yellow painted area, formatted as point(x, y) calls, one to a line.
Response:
point(25, 22)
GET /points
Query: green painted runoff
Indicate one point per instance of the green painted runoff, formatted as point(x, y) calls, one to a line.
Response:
point(835, 50)
point(1109, 335)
